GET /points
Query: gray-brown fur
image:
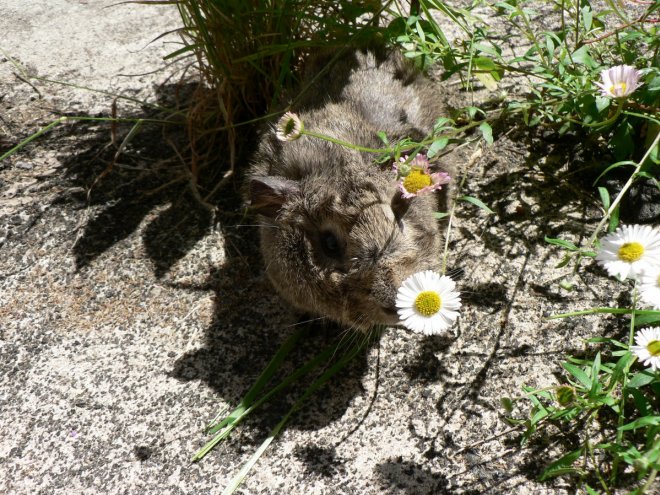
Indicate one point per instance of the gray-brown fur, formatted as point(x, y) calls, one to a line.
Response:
point(310, 193)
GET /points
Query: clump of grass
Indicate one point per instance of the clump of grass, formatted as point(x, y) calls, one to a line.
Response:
point(250, 53)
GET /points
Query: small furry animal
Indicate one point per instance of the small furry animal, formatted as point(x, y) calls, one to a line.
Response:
point(337, 237)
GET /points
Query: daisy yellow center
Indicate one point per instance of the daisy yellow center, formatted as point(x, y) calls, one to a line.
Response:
point(653, 347)
point(618, 89)
point(416, 180)
point(631, 252)
point(428, 302)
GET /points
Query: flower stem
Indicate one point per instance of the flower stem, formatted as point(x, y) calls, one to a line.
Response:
point(623, 191)
point(412, 146)
point(604, 123)
point(345, 144)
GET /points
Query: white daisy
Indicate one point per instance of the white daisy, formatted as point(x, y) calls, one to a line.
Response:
point(630, 251)
point(647, 349)
point(289, 127)
point(649, 289)
point(619, 82)
point(428, 302)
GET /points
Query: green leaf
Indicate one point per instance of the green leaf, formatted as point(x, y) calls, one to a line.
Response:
point(549, 45)
point(436, 146)
point(560, 242)
point(614, 219)
point(507, 404)
point(578, 373)
point(440, 214)
point(383, 137)
point(420, 31)
point(484, 63)
point(490, 50)
point(651, 318)
point(607, 340)
point(590, 491)
point(473, 111)
point(476, 202)
point(581, 56)
point(507, 6)
point(602, 103)
point(595, 370)
point(613, 166)
point(562, 466)
point(641, 422)
point(487, 132)
point(607, 400)
point(181, 51)
point(654, 84)
point(621, 364)
point(640, 379)
point(539, 415)
point(641, 401)
point(587, 17)
point(604, 197)
point(565, 261)
point(622, 141)
point(440, 124)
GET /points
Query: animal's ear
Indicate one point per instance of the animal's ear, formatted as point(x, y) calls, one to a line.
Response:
point(268, 194)
point(399, 204)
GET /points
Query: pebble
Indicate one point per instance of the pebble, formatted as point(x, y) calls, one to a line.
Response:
point(24, 165)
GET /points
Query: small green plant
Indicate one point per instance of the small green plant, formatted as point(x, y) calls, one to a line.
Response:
point(611, 405)
point(561, 67)
point(603, 83)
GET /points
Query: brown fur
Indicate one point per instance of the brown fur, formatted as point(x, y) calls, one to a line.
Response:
point(310, 193)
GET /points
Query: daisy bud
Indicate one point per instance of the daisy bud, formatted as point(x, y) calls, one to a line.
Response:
point(289, 127)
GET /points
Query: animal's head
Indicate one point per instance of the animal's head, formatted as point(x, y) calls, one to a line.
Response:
point(341, 246)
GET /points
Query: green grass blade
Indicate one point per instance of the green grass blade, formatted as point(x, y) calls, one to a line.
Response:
point(614, 311)
point(34, 136)
point(238, 479)
point(476, 202)
point(317, 384)
point(578, 373)
point(264, 377)
point(224, 427)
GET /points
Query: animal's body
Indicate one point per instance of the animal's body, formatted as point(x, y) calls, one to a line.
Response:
point(337, 238)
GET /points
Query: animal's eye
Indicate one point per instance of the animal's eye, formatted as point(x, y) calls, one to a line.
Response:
point(330, 245)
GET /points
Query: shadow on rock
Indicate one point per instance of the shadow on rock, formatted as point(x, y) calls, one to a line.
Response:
point(249, 327)
point(407, 477)
point(425, 366)
point(142, 183)
point(320, 460)
point(126, 182)
point(554, 192)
